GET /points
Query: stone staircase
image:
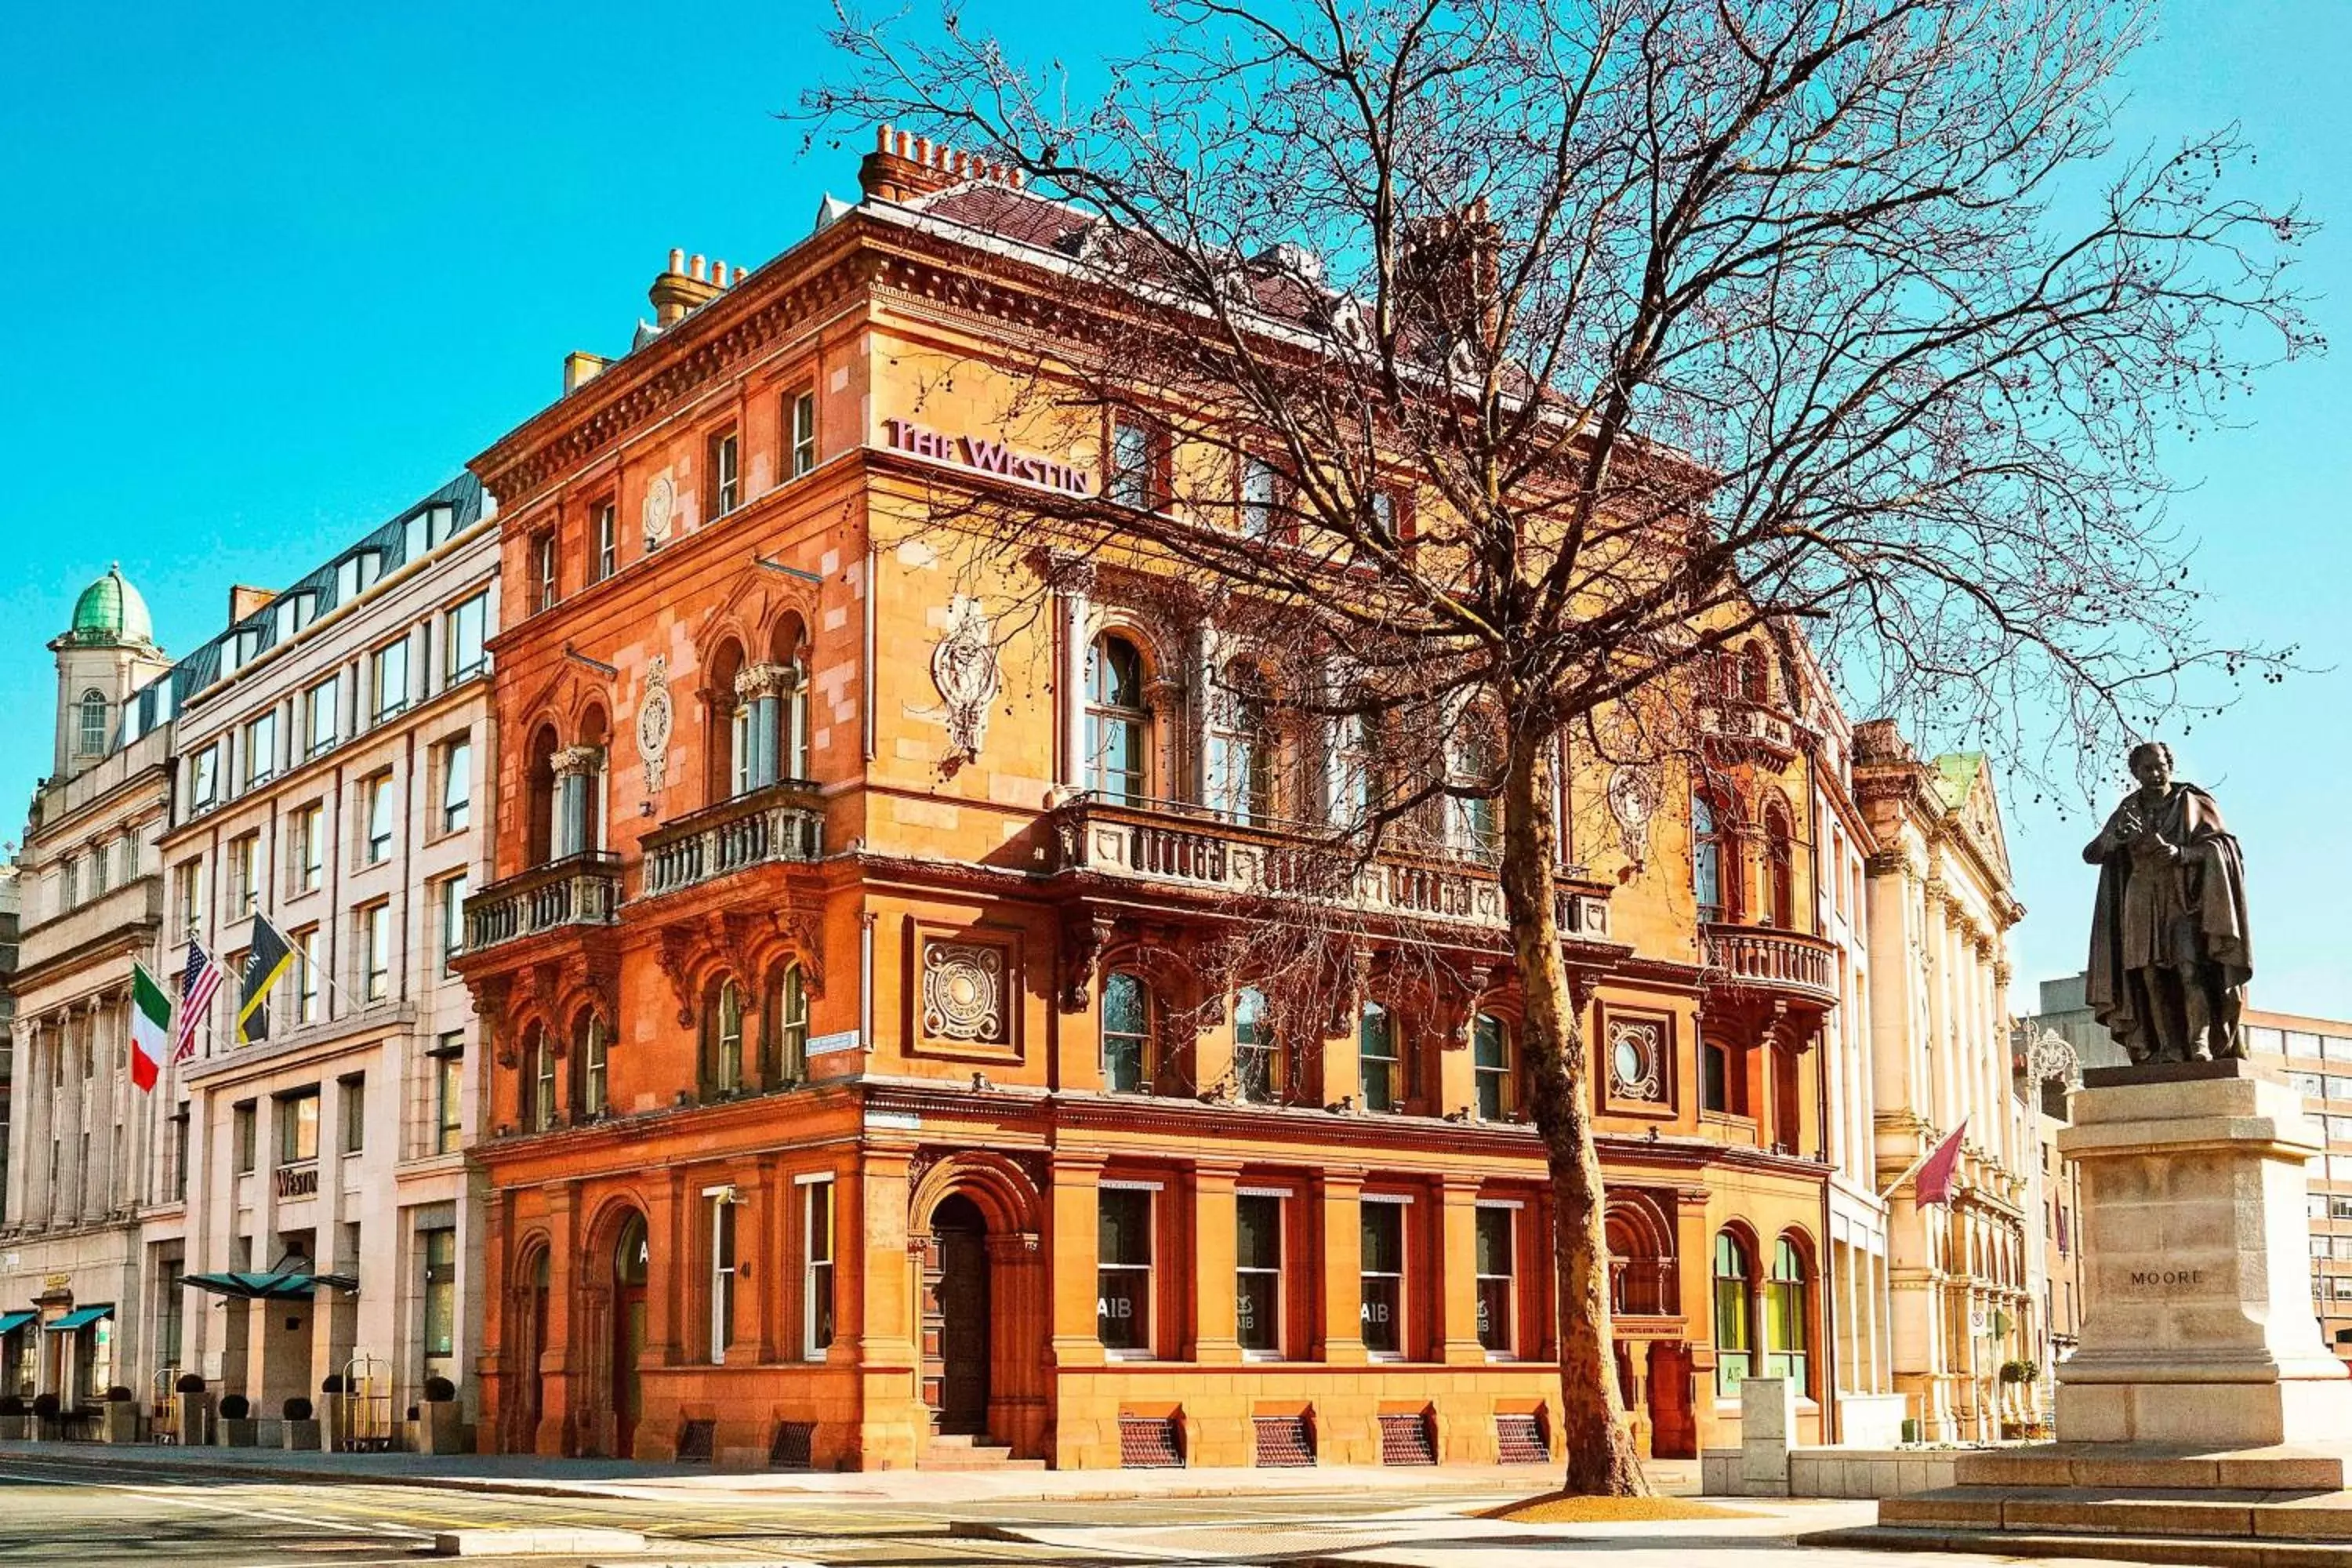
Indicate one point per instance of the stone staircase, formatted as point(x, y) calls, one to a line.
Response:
point(2265, 1507)
point(968, 1453)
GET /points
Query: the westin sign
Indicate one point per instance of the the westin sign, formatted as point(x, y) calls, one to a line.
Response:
point(988, 457)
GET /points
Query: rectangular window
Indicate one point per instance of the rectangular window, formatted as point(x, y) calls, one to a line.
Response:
point(322, 707)
point(1257, 1274)
point(456, 766)
point(1259, 495)
point(391, 680)
point(204, 778)
point(817, 1289)
point(375, 952)
point(462, 637)
point(310, 847)
point(452, 903)
point(242, 1137)
point(1491, 1052)
point(260, 747)
point(449, 1093)
point(440, 1250)
point(543, 582)
point(1123, 1276)
point(804, 427)
point(1715, 1075)
point(356, 573)
point(722, 1276)
point(1382, 1319)
point(352, 1099)
point(306, 975)
point(376, 792)
point(1130, 465)
point(1255, 1062)
point(1378, 1063)
point(726, 473)
point(244, 874)
point(298, 1127)
point(1494, 1277)
point(1126, 1033)
point(608, 539)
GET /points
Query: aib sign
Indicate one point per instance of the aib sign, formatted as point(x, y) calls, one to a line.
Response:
point(988, 457)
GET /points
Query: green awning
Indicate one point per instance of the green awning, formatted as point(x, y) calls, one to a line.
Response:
point(80, 1318)
point(11, 1322)
point(294, 1285)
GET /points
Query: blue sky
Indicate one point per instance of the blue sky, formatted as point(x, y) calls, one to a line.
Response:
point(270, 272)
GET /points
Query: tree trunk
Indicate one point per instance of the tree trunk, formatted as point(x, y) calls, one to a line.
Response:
point(1599, 1441)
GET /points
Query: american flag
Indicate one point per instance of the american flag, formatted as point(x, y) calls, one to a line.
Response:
point(198, 984)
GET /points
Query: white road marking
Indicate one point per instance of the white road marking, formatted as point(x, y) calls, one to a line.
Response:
point(171, 1492)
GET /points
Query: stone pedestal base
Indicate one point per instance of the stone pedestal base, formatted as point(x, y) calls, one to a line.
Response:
point(2196, 1251)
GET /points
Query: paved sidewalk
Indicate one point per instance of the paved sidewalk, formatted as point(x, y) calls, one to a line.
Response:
point(536, 1474)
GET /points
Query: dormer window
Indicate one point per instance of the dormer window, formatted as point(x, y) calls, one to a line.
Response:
point(294, 612)
point(355, 574)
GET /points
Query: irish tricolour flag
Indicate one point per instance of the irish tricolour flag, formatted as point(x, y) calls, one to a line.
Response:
point(151, 1027)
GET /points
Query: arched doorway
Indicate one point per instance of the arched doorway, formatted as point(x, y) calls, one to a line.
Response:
point(956, 1318)
point(530, 1378)
point(632, 1258)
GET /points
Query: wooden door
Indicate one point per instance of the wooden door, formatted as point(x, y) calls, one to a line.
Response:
point(956, 1320)
point(1674, 1425)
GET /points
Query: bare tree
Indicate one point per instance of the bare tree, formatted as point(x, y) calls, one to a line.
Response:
point(1670, 322)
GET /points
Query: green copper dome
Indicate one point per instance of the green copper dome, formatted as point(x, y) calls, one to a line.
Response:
point(111, 611)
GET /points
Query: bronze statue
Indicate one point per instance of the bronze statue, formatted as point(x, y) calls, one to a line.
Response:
point(2169, 951)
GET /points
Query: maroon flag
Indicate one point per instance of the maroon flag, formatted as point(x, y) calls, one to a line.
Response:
point(1935, 1174)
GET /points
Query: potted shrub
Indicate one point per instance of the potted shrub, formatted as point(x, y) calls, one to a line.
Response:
point(299, 1429)
point(48, 1418)
point(238, 1429)
point(335, 1412)
point(440, 1425)
point(196, 1409)
point(15, 1419)
point(119, 1422)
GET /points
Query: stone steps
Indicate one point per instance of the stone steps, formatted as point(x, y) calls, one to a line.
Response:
point(2031, 1546)
point(2205, 1513)
point(960, 1452)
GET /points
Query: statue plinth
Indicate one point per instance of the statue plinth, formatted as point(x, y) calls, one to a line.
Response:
point(2196, 1250)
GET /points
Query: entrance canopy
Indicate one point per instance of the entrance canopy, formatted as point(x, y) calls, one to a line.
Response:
point(11, 1322)
point(79, 1318)
point(291, 1282)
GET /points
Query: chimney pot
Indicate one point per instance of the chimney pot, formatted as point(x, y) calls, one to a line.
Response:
point(698, 268)
point(882, 137)
point(922, 150)
point(677, 260)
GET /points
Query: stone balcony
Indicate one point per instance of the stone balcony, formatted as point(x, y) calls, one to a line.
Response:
point(578, 889)
point(1787, 964)
point(1749, 729)
point(782, 822)
point(1182, 847)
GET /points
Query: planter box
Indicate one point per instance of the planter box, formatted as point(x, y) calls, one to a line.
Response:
point(195, 1419)
point(117, 1422)
point(302, 1434)
point(245, 1434)
point(15, 1429)
point(440, 1428)
point(334, 1417)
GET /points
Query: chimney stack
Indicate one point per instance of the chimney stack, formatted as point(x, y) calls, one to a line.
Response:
point(244, 600)
point(902, 167)
point(685, 286)
point(580, 367)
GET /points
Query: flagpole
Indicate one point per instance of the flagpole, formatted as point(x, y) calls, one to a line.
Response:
point(1911, 1169)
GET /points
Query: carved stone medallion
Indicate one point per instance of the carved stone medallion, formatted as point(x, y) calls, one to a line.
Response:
point(1636, 1071)
point(656, 719)
point(660, 508)
point(1632, 801)
point(963, 991)
point(964, 669)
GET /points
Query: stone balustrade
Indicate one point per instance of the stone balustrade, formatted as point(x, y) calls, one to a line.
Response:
point(578, 889)
point(1764, 959)
point(780, 822)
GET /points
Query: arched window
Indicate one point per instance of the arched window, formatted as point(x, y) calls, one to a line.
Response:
point(1126, 1033)
point(1780, 869)
point(1734, 1338)
point(1256, 1070)
point(91, 741)
point(1240, 775)
point(591, 1086)
point(633, 1254)
point(722, 1040)
point(1119, 724)
point(537, 1081)
point(1490, 1049)
point(1380, 1059)
point(538, 776)
point(1707, 858)
point(1755, 672)
point(1785, 1316)
point(1353, 781)
point(788, 650)
point(785, 1026)
point(725, 720)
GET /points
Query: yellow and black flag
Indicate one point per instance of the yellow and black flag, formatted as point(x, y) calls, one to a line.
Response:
point(267, 962)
